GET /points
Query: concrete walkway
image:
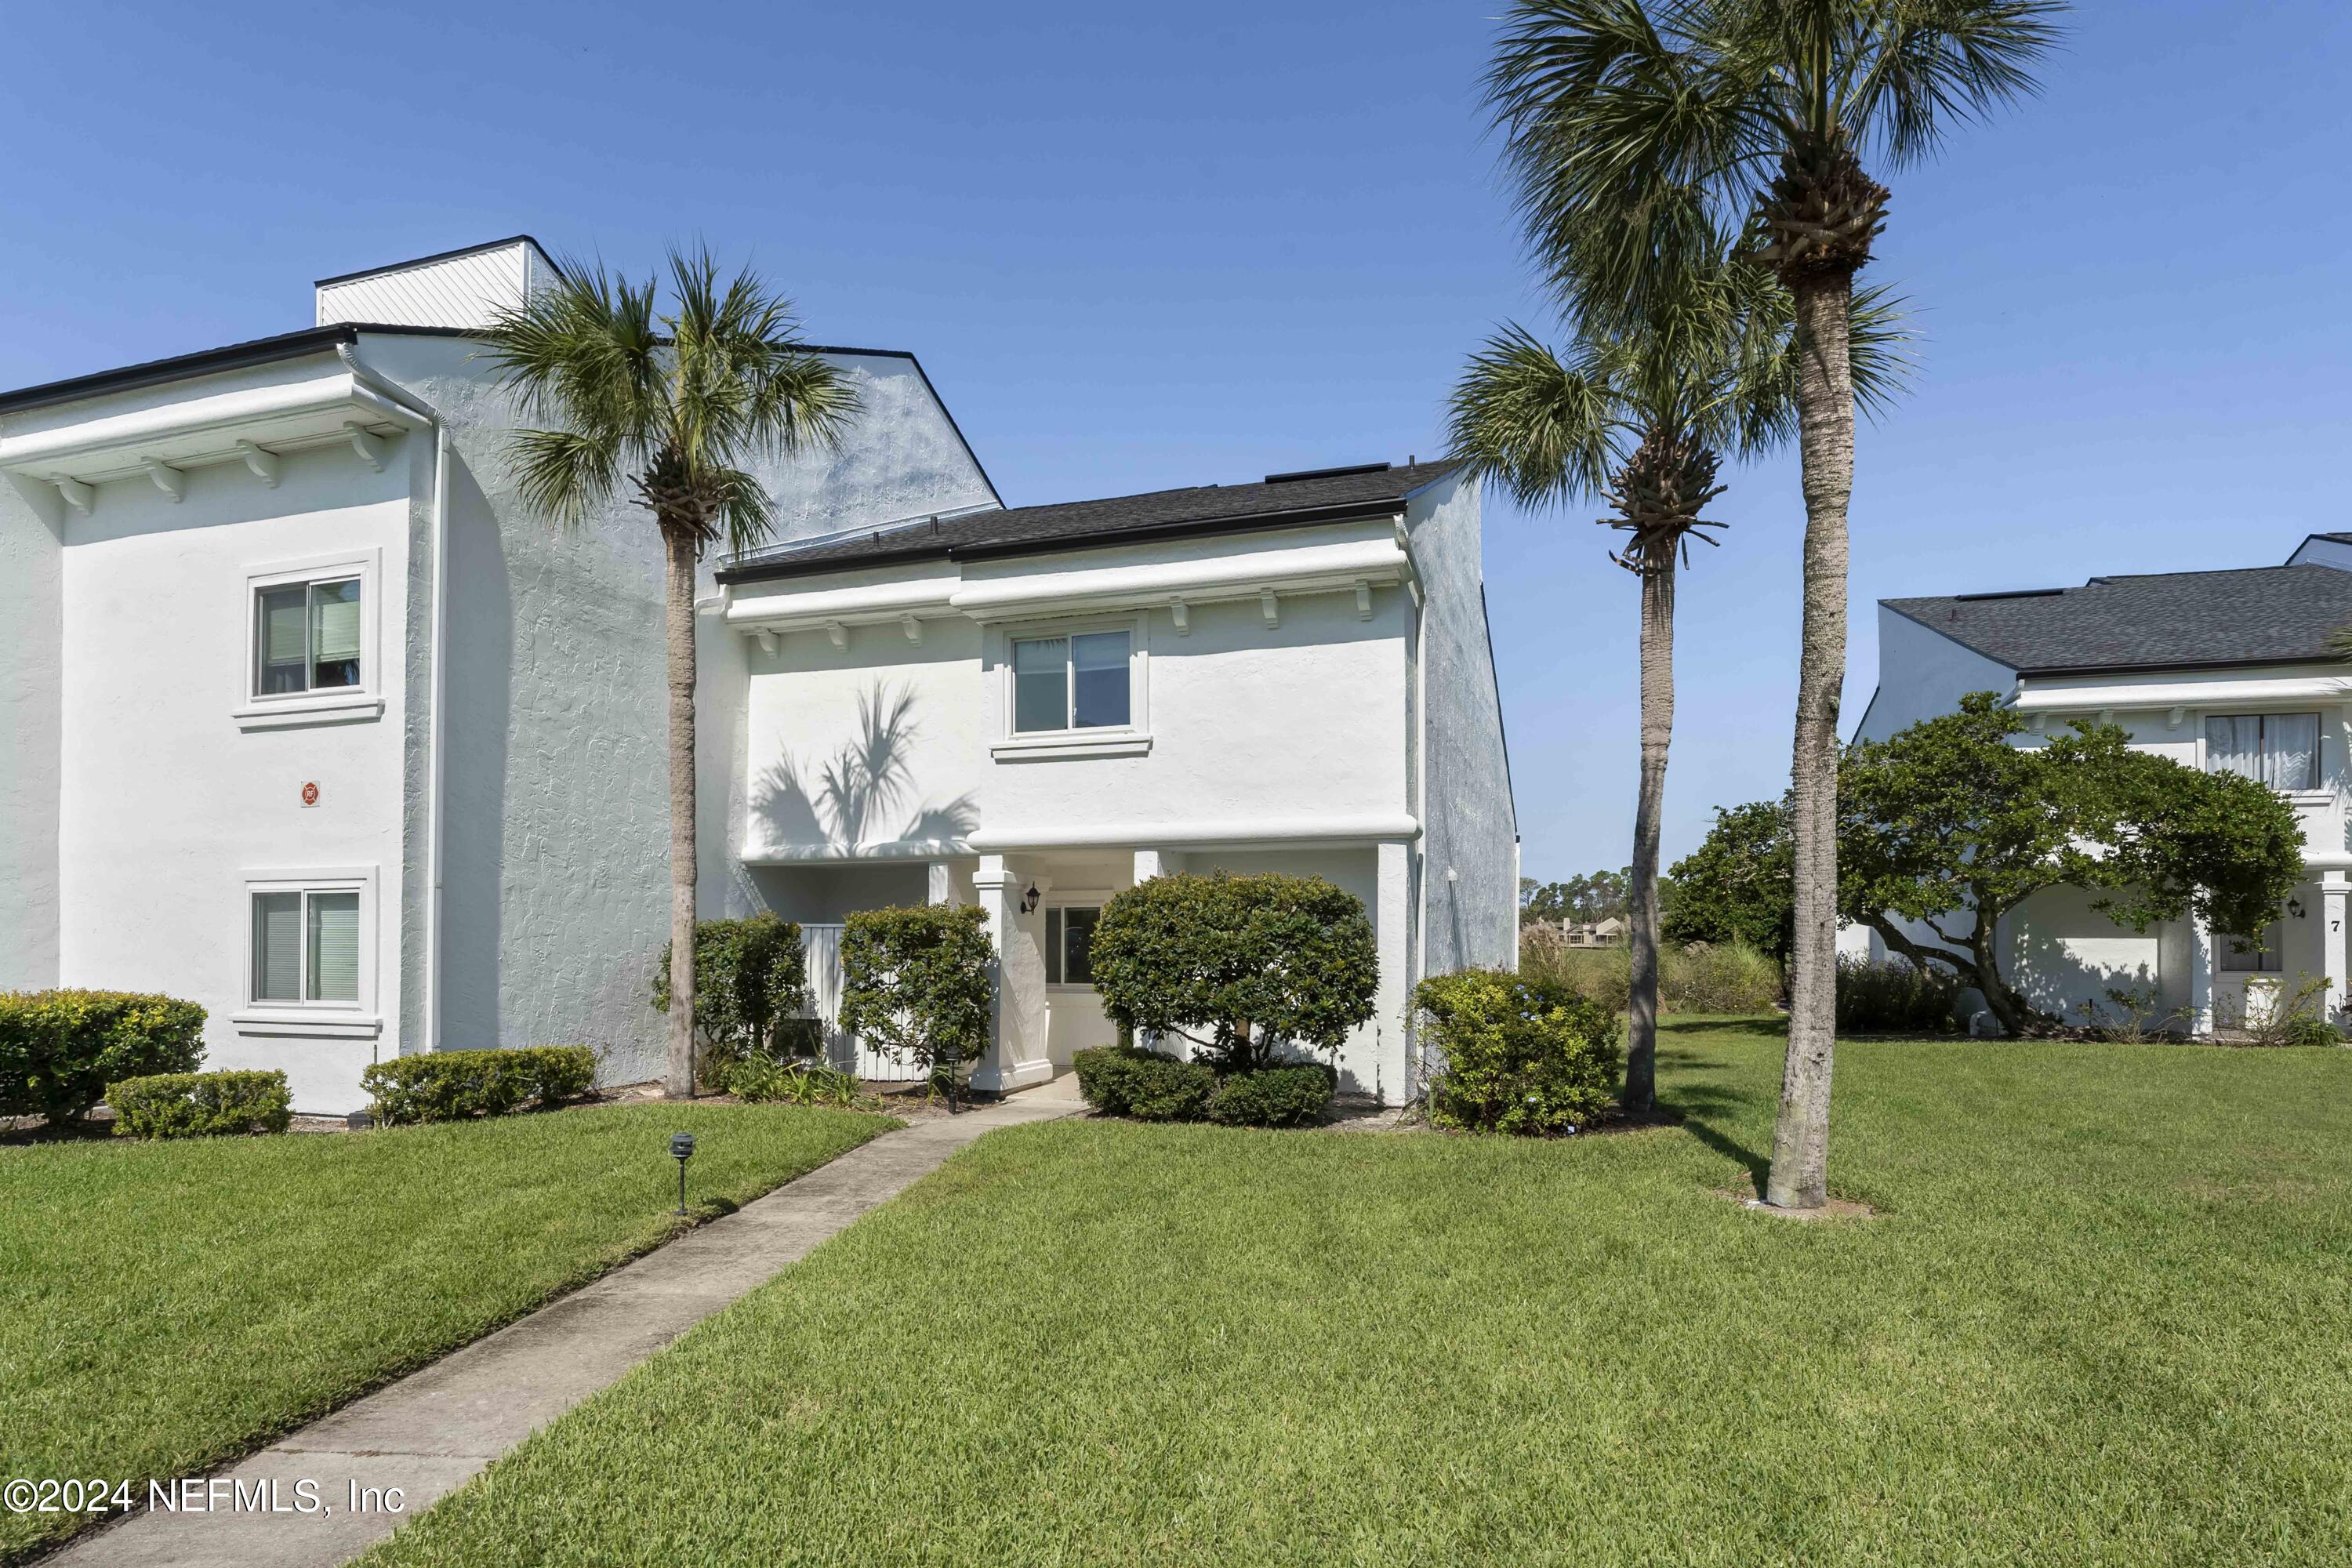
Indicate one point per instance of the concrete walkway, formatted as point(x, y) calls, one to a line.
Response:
point(437, 1427)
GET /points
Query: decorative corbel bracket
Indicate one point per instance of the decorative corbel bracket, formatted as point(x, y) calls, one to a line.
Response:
point(265, 464)
point(1183, 614)
point(78, 496)
point(373, 449)
point(172, 482)
point(1269, 606)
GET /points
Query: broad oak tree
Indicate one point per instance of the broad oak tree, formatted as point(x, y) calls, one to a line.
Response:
point(1950, 826)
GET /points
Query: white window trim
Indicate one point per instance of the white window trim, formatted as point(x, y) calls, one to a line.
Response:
point(326, 1020)
point(1132, 739)
point(342, 705)
point(2324, 793)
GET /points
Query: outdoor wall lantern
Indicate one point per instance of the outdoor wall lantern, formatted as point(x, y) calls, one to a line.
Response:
point(2294, 908)
point(1029, 901)
point(681, 1149)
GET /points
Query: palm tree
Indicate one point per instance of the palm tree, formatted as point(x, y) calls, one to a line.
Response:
point(1630, 123)
point(1639, 416)
point(674, 406)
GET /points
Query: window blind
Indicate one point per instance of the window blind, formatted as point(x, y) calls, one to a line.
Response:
point(278, 947)
point(334, 947)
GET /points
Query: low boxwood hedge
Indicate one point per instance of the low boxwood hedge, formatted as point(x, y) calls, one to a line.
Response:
point(455, 1085)
point(1150, 1085)
point(59, 1049)
point(200, 1104)
point(1274, 1096)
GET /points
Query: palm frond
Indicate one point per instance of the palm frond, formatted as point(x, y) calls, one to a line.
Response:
point(685, 402)
point(1926, 64)
point(1545, 430)
point(566, 474)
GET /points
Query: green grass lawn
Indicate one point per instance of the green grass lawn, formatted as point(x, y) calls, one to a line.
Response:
point(163, 1306)
point(2106, 1316)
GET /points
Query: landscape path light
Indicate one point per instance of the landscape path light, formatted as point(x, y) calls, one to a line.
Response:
point(681, 1149)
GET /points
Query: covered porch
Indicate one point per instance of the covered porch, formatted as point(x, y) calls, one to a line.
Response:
point(1041, 904)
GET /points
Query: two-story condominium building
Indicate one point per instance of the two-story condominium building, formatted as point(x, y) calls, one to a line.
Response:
point(312, 720)
point(2220, 670)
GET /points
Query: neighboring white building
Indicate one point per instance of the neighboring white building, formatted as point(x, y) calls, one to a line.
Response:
point(2215, 669)
point(313, 722)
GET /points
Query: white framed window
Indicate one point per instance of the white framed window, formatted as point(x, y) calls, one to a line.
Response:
point(2281, 749)
point(309, 952)
point(2239, 955)
point(1069, 943)
point(1074, 689)
point(311, 643)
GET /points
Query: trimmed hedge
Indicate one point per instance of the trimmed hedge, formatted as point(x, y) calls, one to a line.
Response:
point(59, 1049)
point(1520, 1053)
point(455, 1085)
point(200, 1104)
point(1150, 1085)
point(1242, 965)
point(750, 979)
point(916, 982)
point(1274, 1096)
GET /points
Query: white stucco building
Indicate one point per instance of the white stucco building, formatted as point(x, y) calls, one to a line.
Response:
point(2217, 670)
point(313, 722)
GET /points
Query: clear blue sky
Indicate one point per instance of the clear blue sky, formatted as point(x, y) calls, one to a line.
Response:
point(1146, 247)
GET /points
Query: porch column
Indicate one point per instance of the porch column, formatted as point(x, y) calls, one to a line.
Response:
point(2332, 888)
point(2200, 977)
point(1018, 1017)
point(1396, 1070)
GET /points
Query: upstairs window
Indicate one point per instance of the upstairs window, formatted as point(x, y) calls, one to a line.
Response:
point(1069, 945)
point(1075, 682)
point(306, 637)
point(2281, 749)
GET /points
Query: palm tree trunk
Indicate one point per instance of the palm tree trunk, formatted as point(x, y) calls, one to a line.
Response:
point(680, 544)
point(1657, 730)
point(1800, 1175)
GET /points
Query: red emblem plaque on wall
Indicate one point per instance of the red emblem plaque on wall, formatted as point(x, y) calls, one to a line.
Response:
point(309, 795)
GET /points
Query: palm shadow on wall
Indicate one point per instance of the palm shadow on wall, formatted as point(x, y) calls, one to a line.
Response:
point(840, 801)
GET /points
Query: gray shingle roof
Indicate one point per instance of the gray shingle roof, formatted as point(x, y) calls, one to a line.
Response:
point(1327, 494)
point(2262, 615)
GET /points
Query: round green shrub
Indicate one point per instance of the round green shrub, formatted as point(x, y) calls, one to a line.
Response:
point(1515, 1053)
point(750, 980)
point(915, 983)
point(59, 1049)
point(1239, 965)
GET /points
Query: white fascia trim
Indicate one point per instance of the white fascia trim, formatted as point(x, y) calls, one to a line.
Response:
point(1339, 568)
point(2180, 693)
point(1250, 830)
point(204, 429)
point(1317, 569)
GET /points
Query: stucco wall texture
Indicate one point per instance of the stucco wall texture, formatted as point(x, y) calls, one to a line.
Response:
point(555, 898)
point(1469, 824)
